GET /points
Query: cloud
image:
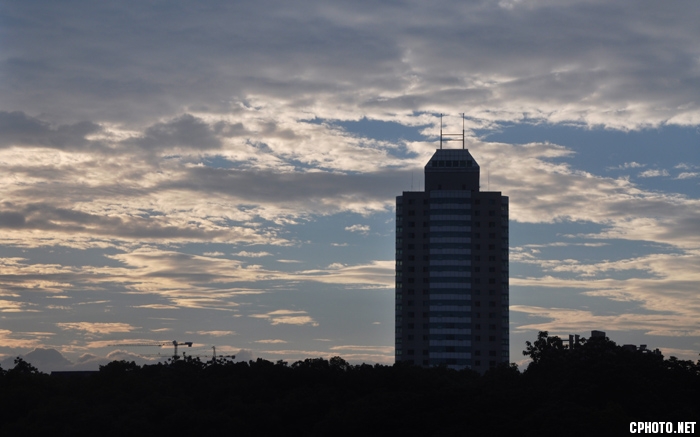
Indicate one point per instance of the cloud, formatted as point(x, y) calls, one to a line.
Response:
point(217, 333)
point(575, 320)
point(496, 62)
point(9, 306)
point(287, 317)
point(362, 229)
point(377, 273)
point(97, 328)
point(23, 340)
point(186, 132)
point(252, 254)
point(659, 298)
point(653, 173)
point(627, 165)
point(19, 129)
point(276, 341)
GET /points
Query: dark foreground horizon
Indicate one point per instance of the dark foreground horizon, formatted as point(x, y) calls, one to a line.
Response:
point(593, 388)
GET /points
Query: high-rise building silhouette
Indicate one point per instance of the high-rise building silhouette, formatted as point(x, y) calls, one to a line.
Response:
point(452, 268)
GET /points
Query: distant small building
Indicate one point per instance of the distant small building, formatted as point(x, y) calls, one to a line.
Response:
point(642, 348)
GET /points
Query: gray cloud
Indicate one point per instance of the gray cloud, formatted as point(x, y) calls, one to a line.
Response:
point(186, 132)
point(62, 220)
point(17, 128)
point(616, 64)
point(269, 186)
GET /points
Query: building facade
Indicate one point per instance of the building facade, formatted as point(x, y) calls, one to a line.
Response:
point(452, 268)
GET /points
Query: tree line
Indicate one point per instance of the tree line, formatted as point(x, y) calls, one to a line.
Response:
point(593, 387)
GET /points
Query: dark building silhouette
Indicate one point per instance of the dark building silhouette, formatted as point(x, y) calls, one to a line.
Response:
point(452, 268)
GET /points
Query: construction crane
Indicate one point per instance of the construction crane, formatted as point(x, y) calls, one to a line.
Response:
point(175, 344)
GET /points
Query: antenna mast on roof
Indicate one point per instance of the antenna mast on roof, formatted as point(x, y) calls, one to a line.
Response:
point(452, 135)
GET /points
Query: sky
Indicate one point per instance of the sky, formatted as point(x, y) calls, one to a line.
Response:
point(225, 173)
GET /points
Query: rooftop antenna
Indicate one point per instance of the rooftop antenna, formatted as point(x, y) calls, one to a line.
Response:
point(442, 135)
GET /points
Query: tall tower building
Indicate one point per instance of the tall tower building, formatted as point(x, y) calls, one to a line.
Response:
point(452, 268)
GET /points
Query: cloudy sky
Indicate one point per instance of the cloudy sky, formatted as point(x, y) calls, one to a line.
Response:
point(225, 172)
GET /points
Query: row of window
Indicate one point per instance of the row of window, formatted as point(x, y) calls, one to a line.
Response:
point(457, 243)
point(452, 163)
